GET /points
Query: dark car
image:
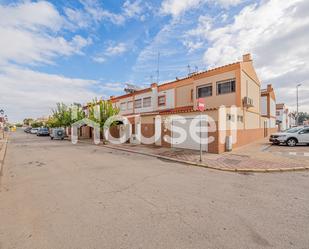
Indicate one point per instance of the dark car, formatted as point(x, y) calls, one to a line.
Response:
point(27, 130)
point(43, 132)
point(57, 133)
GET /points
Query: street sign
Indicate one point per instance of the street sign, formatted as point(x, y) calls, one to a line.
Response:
point(201, 104)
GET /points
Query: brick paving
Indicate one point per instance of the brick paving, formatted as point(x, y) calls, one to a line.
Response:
point(258, 158)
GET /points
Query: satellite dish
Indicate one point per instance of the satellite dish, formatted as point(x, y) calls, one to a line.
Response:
point(130, 88)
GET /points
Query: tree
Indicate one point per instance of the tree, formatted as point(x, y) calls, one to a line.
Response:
point(105, 110)
point(302, 116)
point(36, 124)
point(28, 121)
point(65, 116)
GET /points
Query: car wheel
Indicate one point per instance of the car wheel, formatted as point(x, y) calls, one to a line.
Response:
point(291, 142)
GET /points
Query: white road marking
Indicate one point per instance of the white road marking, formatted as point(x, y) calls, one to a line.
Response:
point(293, 153)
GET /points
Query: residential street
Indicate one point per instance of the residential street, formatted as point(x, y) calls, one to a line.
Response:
point(58, 195)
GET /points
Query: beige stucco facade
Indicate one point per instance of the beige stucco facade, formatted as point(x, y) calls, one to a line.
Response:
point(241, 103)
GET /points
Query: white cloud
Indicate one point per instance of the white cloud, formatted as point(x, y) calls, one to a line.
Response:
point(28, 93)
point(111, 51)
point(226, 3)
point(112, 87)
point(178, 7)
point(275, 32)
point(132, 9)
point(31, 15)
point(99, 59)
point(78, 18)
point(29, 34)
point(95, 11)
point(117, 49)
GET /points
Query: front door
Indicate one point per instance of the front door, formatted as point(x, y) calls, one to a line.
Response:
point(265, 129)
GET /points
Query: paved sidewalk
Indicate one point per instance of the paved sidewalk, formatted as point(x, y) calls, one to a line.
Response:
point(254, 157)
point(2, 153)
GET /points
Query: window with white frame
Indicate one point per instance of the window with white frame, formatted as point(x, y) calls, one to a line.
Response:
point(147, 102)
point(130, 105)
point(161, 100)
point(123, 106)
point(227, 86)
point(138, 103)
point(204, 91)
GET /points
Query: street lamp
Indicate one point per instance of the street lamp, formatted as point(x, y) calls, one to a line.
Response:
point(298, 85)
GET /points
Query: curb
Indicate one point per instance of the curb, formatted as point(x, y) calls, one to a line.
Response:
point(201, 165)
point(274, 170)
point(2, 155)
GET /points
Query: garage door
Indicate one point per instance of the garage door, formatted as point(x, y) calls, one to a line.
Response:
point(190, 126)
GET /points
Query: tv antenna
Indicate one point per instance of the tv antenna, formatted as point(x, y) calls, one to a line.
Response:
point(158, 68)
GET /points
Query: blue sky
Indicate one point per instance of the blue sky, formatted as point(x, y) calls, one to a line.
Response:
point(74, 51)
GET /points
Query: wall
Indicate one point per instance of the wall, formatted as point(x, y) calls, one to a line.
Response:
point(251, 89)
point(252, 120)
point(272, 108)
point(183, 95)
point(144, 109)
point(215, 100)
point(264, 105)
point(125, 100)
point(169, 98)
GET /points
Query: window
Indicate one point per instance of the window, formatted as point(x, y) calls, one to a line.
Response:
point(227, 86)
point(305, 131)
point(230, 117)
point(191, 95)
point(123, 106)
point(240, 118)
point(138, 103)
point(130, 105)
point(278, 113)
point(161, 100)
point(147, 102)
point(204, 91)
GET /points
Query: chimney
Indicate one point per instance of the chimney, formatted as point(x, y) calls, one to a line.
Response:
point(246, 58)
point(154, 85)
point(112, 97)
point(269, 88)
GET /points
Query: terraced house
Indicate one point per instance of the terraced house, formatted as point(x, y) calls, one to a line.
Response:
point(232, 95)
point(268, 109)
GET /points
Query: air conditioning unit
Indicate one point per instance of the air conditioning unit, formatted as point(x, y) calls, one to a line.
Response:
point(248, 102)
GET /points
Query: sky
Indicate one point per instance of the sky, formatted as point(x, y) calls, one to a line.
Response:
point(75, 51)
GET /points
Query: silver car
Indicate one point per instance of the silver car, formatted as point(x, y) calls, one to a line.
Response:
point(292, 136)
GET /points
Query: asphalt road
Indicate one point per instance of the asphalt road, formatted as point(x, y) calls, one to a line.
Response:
point(58, 195)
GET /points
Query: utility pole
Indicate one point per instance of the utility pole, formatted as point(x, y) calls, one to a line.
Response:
point(297, 123)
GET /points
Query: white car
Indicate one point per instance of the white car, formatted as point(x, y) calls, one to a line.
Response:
point(291, 137)
point(34, 130)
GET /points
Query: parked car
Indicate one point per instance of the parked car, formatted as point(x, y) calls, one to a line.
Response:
point(43, 132)
point(57, 133)
point(292, 136)
point(34, 130)
point(27, 130)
